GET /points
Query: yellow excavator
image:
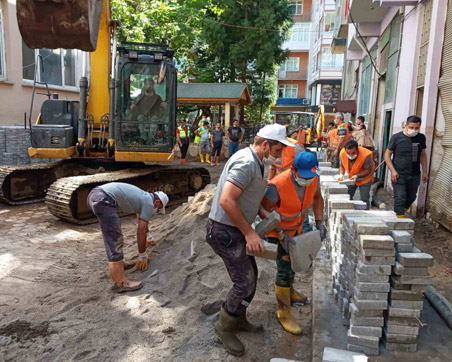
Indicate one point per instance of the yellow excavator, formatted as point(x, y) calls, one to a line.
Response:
point(122, 129)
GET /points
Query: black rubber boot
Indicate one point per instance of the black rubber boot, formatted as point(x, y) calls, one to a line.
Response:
point(225, 329)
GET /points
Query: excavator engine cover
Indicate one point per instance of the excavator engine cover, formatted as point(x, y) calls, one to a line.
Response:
point(68, 24)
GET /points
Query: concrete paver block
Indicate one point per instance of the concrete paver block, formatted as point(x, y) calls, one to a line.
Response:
point(378, 260)
point(376, 241)
point(370, 304)
point(401, 236)
point(371, 277)
point(404, 248)
point(397, 329)
point(339, 355)
point(367, 321)
point(373, 287)
point(367, 331)
point(400, 347)
point(365, 341)
point(377, 252)
point(363, 349)
point(377, 269)
point(407, 304)
point(415, 259)
point(372, 228)
point(403, 312)
point(402, 321)
point(269, 224)
point(400, 338)
point(400, 224)
point(414, 279)
point(406, 295)
point(368, 313)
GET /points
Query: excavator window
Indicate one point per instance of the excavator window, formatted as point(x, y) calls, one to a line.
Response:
point(145, 120)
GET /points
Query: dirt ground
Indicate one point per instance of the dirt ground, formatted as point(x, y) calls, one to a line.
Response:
point(55, 302)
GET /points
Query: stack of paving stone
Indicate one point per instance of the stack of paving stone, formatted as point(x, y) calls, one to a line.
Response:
point(408, 282)
point(14, 144)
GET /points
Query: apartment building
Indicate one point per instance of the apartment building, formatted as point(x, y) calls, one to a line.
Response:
point(293, 73)
point(397, 64)
point(325, 69)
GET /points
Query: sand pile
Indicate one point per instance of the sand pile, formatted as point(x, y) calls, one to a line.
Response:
point(69, 295)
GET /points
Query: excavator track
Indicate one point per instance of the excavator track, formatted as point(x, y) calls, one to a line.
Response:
point(67, 197)
point(20, 185)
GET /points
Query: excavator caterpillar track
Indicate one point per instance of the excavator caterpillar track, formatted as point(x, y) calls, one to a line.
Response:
point(67, 197)
point(20, 185)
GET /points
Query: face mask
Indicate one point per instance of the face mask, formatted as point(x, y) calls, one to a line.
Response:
point(351, 157)
point(270, 160)
point(412, 132)
point(303, 181)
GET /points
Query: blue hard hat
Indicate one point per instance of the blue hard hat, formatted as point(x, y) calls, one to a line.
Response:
point(304, 162)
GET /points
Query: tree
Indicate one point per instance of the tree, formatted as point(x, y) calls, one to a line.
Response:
point(242, 41)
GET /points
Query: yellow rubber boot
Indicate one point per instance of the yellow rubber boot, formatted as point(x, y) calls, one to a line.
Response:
point(201, 156)
point(207, 158)
point(294, 295)
point(284, 315)
point(401, 216)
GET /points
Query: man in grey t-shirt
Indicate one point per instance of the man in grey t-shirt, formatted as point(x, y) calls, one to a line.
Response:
point(106, 201)
point(235, 206)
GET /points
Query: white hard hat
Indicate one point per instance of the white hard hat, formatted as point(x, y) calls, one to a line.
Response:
point(163, 198)
point(275, 132)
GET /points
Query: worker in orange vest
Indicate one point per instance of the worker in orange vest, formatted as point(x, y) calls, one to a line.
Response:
point(359, 164)
point(291, 193)
point(340, 136)
point(301, 136)
point(285, 162)
point(331, 133)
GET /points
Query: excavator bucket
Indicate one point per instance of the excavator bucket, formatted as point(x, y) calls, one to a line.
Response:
point(68, 24)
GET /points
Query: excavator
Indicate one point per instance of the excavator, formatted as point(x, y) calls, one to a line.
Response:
point(122, 129)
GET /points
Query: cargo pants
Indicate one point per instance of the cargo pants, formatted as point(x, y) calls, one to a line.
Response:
point(229, 244)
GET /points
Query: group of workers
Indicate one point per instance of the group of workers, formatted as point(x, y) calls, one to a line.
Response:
point(243, 192)
point(210, 142)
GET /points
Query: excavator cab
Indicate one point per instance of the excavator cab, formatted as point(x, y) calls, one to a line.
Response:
point(146, 100)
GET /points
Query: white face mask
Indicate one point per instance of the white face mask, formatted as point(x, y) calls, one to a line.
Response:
point(304, 181)
point(412, 132)
point(351, 157)
point(270, 160)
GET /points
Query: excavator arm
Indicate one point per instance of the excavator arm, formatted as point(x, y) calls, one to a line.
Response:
point(55, 24)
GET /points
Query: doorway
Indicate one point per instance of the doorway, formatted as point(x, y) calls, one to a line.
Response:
point(386, 136)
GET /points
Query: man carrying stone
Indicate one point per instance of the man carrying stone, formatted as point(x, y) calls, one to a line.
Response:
point(360, 166)
point(407, 149)
point(106, 201)
point(339, 138)
point(291, 193)
point(236, 203)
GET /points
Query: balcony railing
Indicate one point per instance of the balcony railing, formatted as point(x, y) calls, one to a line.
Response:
point(293, 75)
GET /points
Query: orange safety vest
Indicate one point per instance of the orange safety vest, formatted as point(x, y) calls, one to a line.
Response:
point(301, 137)
point(335, 141)
point(331, 136)
point(287, 157)
point(363, 153)
point(291, 210)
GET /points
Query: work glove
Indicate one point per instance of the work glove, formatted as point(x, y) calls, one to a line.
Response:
point(142, 263)
point(354, 178)
point(340, 177)
point(150, 241)
point(321, 227)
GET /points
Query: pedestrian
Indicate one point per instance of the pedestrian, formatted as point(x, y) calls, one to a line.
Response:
point(106, 201)
point(204, 142)
point(407, 149)
point(359, 164)
point(362, 135)
point(235, 206)
point(330, 136)
point(216, 140)
point(340, 136)
point(291, 193)
point(183, 139)
point(301, 135)
point(235, 136)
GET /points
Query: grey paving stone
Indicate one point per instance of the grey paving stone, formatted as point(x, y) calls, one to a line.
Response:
point(367, 321)
point(378, 260)
point(401, 236)
point(371, 277)
point(407, 304)
point(404, 248)
point(370, 304)
point(403, 312)
point(366, 331)
point(376, 241)
point(399, 224)
point(339, 355)
point(402, 321)
point(366, 341)
point(368, 313)
point(397, 329)
point(373, 287)
point(377, 252)
point(377, 269)
point(363, 349)
point(371, 228)
point(415, 259)
point(407, 295)
point(400, 338)
point(399, 347)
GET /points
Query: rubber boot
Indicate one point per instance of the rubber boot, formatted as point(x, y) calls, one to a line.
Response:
point(201, 156)
point(401, 216)
point(294, 295)
point(284, 315)
point(207, 158)
point(225, 330)
point(218, 160)
point(245, 326)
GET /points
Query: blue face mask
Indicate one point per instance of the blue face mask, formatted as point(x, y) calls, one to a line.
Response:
point(304, 181)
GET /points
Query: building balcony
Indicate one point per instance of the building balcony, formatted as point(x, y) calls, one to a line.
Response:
point(296, 45)
point(305, 18)
point(365, 11)
point(297, 75)
point(389, 3)
point(292, 101)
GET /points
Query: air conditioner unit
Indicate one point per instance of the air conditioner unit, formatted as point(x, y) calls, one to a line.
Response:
point(306, 101)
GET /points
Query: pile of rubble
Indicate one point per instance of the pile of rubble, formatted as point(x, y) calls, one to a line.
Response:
point(378, 275)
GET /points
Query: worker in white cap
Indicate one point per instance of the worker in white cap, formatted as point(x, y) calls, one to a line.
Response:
point(236, 204)
point(106, 202)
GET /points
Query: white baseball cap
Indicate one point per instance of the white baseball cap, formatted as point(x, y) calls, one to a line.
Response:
point(163, 198)
point(275, 132)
